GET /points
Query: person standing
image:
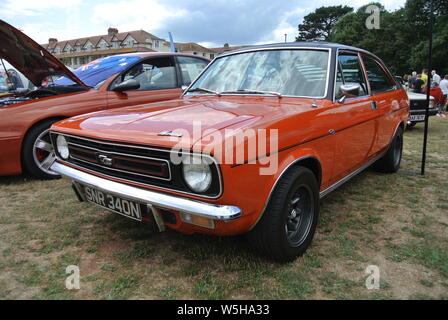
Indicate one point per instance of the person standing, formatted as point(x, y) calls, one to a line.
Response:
point(435, 77)
point(411, 80)
point(444, 86)
point(2, 80)
point(418, 84)
point(424, 77)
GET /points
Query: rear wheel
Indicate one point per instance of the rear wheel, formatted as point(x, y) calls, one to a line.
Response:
point(390, 162)
point(38, 153)
point(411, 124)
point(288, 224)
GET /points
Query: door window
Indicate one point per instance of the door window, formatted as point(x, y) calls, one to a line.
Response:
point(378, 79)
point(152, 74)
point(350, 73)
point(190, 68)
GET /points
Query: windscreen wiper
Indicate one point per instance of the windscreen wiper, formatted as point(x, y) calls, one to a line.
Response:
point(273, 93)
point(204, 90)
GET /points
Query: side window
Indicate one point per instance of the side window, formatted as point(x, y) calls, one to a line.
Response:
point(190, 68)
point(152, 74)
point(378, 79)
point(350, 72)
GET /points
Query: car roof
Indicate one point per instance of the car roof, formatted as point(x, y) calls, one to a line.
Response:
point(144, 54)
point(299, 44)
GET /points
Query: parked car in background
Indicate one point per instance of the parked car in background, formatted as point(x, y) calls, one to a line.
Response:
point(323, 112)
point(106, 83)
point(417, 101)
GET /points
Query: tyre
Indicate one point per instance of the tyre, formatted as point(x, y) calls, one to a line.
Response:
point(287, 226)
point(390, 162)
point(37, 151)
point(411, 125)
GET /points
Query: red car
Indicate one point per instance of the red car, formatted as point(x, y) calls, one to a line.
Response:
point(106, 83)
point(269, 130)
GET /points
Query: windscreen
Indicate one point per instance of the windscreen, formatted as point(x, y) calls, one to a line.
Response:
point(290, 72)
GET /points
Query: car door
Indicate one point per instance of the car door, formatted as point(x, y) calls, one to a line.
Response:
point(382, 86)
point(354, 125)
point(158, 82)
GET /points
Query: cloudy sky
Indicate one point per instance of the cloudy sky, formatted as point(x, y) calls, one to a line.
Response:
point(209, 22)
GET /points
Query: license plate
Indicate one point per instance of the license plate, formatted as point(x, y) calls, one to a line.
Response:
point(125, 207)
point(417, 117)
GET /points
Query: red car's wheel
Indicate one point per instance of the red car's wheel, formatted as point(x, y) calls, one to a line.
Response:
point(38, 154)
point(390, 162)
point(288, 224)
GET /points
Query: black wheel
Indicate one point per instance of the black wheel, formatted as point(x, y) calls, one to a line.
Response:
point(411, 124)
point(287, 226)
point(37, 151)
point(390, 162)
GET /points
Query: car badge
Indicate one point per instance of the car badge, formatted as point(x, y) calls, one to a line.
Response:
point(170, 133)
point(105, 160)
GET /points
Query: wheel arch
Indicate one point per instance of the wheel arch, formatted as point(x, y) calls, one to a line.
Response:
point(310, 162)
point(34, 124)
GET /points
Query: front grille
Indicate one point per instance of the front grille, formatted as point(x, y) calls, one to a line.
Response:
point(146, 165)
point(418, 104)
point(125, 165)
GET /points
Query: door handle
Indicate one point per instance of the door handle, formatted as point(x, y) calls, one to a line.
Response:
point(331, 131)
point(373, 105)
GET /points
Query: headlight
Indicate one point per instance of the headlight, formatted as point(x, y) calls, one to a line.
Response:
point(431, 104)
point(197, 174)
point(62, 147)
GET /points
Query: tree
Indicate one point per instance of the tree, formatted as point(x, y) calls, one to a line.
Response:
point(389, 42)
point(418, 15)
point(318, 24)
point(402, 40)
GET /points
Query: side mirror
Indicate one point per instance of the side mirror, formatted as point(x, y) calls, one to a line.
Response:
point(348, 91)
point(130, 84)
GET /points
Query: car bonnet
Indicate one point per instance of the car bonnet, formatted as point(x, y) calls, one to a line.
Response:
point(30, 58)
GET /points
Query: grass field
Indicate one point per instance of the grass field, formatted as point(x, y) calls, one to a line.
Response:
point(398, 222)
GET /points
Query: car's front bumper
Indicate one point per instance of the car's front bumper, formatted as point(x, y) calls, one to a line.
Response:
point(421, 112)
point(155, 199)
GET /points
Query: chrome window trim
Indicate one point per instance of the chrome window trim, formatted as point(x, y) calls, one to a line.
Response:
point(327, 82)
point(122, 154)
point(193, 152)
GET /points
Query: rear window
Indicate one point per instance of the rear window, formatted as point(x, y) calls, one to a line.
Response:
point(378, 79)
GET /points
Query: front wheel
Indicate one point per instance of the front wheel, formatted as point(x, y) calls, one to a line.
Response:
point(287, 226)
point(38, 153)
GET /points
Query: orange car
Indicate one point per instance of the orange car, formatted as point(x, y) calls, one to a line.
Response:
point(251, 146)
point(106, 83)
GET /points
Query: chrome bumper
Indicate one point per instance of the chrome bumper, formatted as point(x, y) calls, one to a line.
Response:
point(156, 199)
